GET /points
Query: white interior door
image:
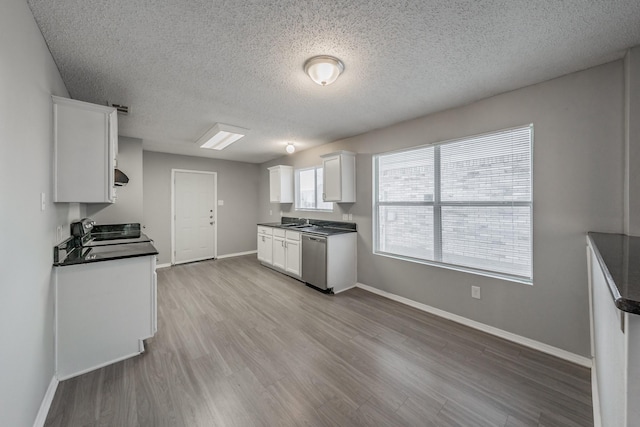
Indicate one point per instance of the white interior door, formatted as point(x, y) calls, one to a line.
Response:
point(194, 216)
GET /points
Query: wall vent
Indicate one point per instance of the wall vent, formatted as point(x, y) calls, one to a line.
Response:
point(122, 109)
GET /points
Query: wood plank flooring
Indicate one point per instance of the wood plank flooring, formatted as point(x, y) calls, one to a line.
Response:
point(241, 345)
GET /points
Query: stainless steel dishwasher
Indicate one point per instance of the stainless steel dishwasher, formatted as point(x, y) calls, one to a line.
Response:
point(314, 261)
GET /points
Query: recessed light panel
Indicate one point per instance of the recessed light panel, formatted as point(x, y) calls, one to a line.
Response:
point(221, 136)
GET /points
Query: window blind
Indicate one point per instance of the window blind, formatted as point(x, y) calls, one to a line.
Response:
point(465, 203)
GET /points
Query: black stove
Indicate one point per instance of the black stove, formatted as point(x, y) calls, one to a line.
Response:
point(93, 242)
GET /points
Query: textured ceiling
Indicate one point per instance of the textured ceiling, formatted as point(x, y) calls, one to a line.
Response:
point(184, 65)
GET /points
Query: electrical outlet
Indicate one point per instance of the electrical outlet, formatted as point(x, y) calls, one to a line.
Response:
point(350, 217)
point(59, 234)
point(345, 217)
point(475, 292)
point(270, 212)
point(43, 204)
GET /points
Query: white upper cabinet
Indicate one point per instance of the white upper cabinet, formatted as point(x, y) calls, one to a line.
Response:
point(339, 177)
point(281, 184)
point(85, 148)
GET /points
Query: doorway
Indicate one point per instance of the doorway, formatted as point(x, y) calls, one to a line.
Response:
point(193, 215)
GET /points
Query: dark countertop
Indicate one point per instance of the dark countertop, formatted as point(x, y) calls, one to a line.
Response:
point(84, 255)
point(619, 258)
point(317, 227)
point(272, 224)
point(104, 243)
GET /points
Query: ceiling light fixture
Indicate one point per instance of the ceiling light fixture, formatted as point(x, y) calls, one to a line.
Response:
point(323, 69)
point(290, 148)
point(221, 136)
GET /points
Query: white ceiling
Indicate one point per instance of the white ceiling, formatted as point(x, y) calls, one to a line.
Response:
point(184, 65)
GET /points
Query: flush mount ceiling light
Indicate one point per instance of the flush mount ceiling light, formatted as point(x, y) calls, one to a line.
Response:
point(221, 136)
point(290, 148)
point(323, 69)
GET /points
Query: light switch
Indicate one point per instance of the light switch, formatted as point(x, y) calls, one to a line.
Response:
point(220, 202)
point(42, 201)
point(475, 292)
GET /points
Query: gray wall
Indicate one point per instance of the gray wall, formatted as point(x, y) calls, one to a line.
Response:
point(632, 142)
point(237, 187)
point(28, 78)
point(129, 205)
point(578, 186)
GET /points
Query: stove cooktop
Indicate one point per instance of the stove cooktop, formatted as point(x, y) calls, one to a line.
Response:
point(106, 239)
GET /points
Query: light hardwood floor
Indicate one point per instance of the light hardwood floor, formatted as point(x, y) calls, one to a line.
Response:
point(241, 345)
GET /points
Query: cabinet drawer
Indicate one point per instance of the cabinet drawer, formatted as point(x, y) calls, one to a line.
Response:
point(268, 231)
point(278, 232)
point(293, 235)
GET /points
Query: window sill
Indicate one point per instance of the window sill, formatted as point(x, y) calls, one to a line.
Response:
point(493, 275)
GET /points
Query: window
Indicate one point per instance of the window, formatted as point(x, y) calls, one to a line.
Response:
point(309, 190)
point(466, 204)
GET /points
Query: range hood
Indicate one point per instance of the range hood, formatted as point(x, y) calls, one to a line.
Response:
point(120, 179)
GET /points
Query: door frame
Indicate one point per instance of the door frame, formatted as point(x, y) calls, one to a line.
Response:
point(173, 211)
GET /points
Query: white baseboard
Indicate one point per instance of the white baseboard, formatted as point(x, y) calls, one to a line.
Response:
point(46, 403)
point(595, 396)
point(518, 339)
point(98, 366)
point(237, 254)
point(218, 257)
point(345, 289)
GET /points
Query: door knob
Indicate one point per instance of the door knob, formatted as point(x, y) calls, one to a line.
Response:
point(211, 223)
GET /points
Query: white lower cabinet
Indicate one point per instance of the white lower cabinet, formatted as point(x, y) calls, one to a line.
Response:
point(281, 249)
point(293, 257)
point(279, 253)
point(103, 312)
point(265, 245)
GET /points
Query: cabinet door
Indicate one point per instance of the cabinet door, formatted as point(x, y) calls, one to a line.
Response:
point(294, 252)
point(113, 153)
point(279, 258)
point(274, 185)
point(265, 249)
point(103, 311)
point(332, 179)
point(85, 147)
